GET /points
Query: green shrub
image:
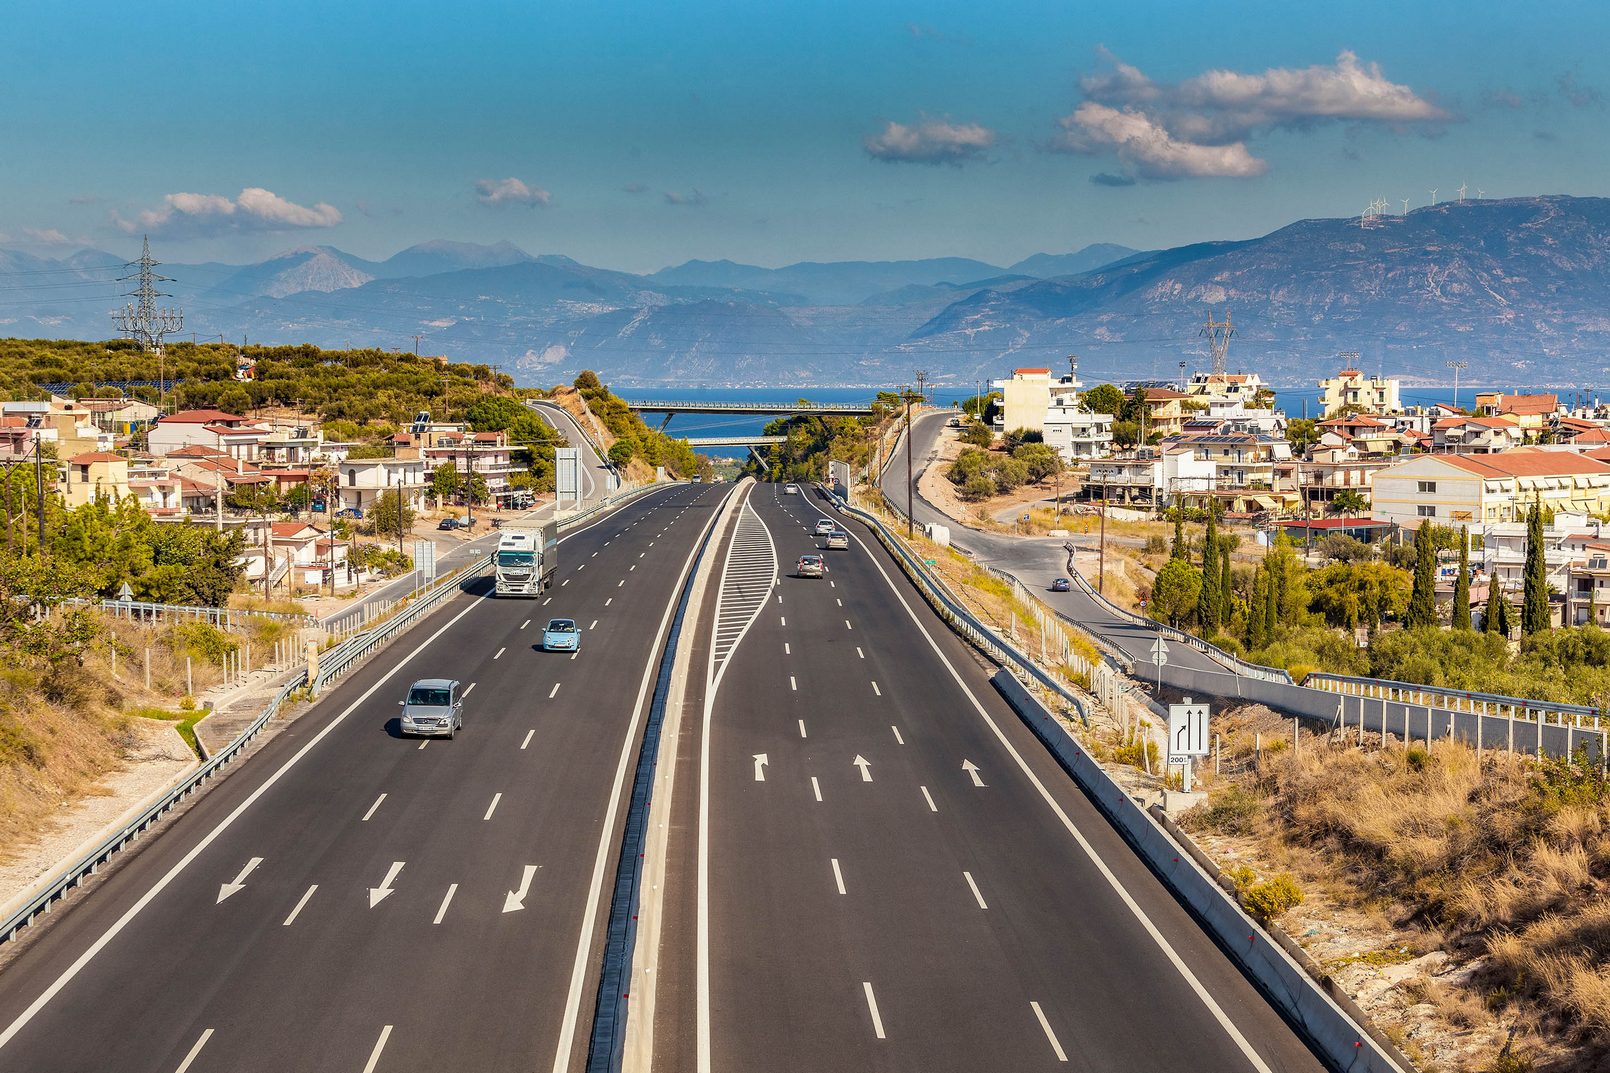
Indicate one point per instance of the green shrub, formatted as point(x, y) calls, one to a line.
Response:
point(1266, 901)
point(201, 640)
point(1234, 810)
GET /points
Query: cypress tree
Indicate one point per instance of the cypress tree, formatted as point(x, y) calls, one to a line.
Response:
point(1178, 551)
point(1535, 594)
point(1208, 610)
point(1423, 599)
point(1493, 619)
point(1256, 637)
point(1461, 588)
point(1271, 605)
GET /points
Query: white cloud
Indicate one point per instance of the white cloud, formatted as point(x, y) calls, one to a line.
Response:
point(1200, 127)
point(930, 141)
point(1149, 149)
point(203, 215)
point(47, 236)
point(692, 197)
point(510, 191)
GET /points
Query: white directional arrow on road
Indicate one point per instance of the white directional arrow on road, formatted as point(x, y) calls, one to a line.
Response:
point(515, 899)
point(972, 769)
point(760, 767)
point(379, 894)
point(226, 889)
point(865, 766)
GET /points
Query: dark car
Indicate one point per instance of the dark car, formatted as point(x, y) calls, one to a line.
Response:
point(349, 512)
point(447, 523)
point(1061, 584)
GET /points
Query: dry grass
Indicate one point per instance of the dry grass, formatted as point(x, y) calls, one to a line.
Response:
point(1506, 860)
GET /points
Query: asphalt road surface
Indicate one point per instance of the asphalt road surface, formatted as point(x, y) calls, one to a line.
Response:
point(891, 872)
point(353, 900)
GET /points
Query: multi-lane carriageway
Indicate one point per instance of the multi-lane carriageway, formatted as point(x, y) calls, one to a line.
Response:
point(871, 864)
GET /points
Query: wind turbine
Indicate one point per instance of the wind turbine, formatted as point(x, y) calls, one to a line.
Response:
point(1480, 193)
point(1462, 189)
point(1405, 205)
point(1433, 193)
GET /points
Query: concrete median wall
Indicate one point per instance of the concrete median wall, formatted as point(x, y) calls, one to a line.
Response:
point(1336, 1036)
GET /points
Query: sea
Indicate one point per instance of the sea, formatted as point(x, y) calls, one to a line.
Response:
point(1296, 402)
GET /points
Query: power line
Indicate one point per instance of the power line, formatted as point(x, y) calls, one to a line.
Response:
point(141, 319)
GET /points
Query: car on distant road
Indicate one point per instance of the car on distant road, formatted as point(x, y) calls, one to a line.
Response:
point(561, 635)
point(349, 512)
point(1061, 584)
point(824, 526)
point(447, 523)
point(434, 708)
point(836, 540)
point(790, 489)
point(810, 566)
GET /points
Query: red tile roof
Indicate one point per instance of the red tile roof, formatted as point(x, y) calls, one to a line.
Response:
point(199, 417)
point(95, 456)
point(1527, 462)
point(1528, 404)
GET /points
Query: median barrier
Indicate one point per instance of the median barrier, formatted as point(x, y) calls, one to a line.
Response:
point(1344, 1043)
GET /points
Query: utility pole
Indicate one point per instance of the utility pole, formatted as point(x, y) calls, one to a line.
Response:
point(922, 379)
point(39, 493)
point(1182, 376)
point(911, 475)
point(416, 345)
point(1101, 562)
point(1457, 367)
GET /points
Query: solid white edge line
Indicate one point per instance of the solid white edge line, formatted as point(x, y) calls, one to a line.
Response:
point(872, 1007)
point(300, 902)
point(1056, 1046)
point(606, 841)
point(1139, 914)
point(712, 682)
point(979, 898)
point(191, 1057)
point(195, 851)
point(380, 1045)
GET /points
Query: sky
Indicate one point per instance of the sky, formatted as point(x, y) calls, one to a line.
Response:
point(636, 136)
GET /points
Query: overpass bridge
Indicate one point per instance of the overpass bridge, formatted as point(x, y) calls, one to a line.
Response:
point(670, 408)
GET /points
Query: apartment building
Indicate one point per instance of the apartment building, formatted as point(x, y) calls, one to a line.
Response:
point(1226, 387)
point(229, 433)
point(95, 475)
point(1479, 489)
point(1025, 398)
point(1476, 435)
point(1371, 394)
point(1531, 413)
point(364, 481)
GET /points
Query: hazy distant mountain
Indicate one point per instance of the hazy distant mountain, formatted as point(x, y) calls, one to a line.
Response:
point(1519, 288)
point(316, 268)
point(1050, 265)
point(829, 283)
point(432, 258)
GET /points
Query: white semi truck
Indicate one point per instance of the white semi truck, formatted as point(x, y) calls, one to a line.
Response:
point(527, 559)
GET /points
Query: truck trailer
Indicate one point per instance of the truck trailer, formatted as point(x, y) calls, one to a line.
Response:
point(526, 560)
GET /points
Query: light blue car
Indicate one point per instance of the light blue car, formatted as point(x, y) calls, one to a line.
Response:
point(561, 635)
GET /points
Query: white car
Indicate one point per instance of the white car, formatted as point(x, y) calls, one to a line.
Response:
point(790, 489)
point(824, 526)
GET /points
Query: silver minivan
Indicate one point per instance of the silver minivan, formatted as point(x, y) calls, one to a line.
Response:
point(434, 708)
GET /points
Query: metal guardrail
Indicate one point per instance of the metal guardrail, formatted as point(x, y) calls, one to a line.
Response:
point(686, 406)
point(331, 664)
point(1454, 699)
point(963, 621)
point(218, 616)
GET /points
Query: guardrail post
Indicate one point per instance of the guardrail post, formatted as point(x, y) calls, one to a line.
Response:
point(189, 679)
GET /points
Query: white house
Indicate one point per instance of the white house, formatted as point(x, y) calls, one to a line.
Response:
point(363, 481)
point(221, 431)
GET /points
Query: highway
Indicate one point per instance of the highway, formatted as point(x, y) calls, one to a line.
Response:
point(1034, 561)
point(351, 900)
point(876, 866)
point(596, 475)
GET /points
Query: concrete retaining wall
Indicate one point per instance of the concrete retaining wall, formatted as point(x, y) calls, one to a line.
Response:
point(1327, 1027)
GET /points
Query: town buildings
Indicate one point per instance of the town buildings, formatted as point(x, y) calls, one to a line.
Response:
point(1351, 389)
point(1476, 489)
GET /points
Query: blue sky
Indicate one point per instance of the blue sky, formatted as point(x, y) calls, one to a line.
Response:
point(636, 136)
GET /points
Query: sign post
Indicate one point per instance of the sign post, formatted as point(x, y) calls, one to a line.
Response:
point(1187, 736)
point(1159, 657)
point(425, 560)
point(567, 475)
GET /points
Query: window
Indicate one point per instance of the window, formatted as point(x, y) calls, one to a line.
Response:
point(1425, 511)
point(1427, 486)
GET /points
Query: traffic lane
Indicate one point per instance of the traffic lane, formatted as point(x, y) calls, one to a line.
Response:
point(845, 894)
point(81, 927)
point(563, 422)
point(1010, 833)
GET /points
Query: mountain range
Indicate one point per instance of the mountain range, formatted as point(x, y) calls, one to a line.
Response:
point(1519, 288)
